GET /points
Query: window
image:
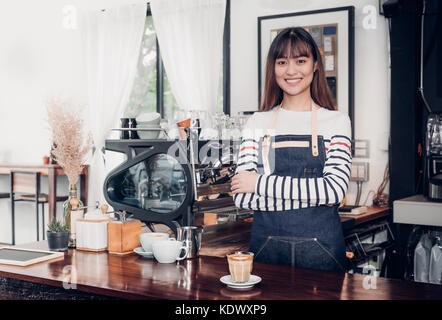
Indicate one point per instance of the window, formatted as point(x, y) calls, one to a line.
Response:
point(144, 93)
point(151, 90)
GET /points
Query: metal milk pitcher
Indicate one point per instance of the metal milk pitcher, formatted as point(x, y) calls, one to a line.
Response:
point(191, 236)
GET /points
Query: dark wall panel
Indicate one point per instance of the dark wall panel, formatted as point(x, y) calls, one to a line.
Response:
point(404, 108)
point(408, 114)
point(432, 55)
point(439, 52)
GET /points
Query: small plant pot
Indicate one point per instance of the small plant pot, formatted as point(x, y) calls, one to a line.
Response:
point(58, 241)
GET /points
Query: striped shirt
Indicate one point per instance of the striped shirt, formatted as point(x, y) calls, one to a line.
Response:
point(276, 193)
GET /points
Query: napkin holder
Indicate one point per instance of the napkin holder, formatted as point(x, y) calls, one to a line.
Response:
point(92, 231)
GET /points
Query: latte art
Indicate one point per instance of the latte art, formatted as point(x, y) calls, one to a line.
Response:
point(240, 266)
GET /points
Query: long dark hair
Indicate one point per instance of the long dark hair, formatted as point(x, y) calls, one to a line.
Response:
point(300, 43)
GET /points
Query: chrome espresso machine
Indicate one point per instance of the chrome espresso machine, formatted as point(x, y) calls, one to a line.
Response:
point(433, 157)
point(173, 182)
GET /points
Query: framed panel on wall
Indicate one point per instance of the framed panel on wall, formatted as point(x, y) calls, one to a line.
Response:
point(333, 31)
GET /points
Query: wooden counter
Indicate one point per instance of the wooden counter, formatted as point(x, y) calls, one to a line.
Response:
point(134, 277)
point(371, 214)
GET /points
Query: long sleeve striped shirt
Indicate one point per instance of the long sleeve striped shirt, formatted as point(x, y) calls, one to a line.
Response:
point(276, 193)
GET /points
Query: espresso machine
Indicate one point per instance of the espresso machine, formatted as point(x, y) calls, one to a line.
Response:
point(433, 157)
point(173, 182)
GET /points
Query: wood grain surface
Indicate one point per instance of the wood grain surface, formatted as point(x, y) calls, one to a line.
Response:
point(135, 277)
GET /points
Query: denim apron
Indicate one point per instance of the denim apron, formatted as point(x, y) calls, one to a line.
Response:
point(309, 237)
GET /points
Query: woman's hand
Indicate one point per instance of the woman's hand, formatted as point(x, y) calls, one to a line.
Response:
point(244, 182)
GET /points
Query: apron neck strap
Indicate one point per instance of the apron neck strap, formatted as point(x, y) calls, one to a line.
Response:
point(314, 131)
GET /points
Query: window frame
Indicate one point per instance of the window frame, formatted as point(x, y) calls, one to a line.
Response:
point(226, 67)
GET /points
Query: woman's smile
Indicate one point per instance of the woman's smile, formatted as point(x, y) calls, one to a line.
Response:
point(293, 81)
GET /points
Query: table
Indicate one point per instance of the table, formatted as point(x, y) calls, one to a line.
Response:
point(372, 213)
point(419, 210)
point(52, 171)
point(135, 277)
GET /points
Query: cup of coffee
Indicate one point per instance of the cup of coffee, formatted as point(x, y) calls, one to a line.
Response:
point(169, 251)
point(240, 265)
point(148, 238)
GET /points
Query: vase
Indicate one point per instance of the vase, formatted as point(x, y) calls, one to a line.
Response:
point(58, 241)
point(72, 213)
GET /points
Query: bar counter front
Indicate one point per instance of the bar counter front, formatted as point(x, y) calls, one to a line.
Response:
point(136, 277)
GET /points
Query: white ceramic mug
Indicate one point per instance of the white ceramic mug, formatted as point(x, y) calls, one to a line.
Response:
point(148, 238)
point(169, 251)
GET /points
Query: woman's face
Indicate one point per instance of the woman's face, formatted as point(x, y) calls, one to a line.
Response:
point(294, 75)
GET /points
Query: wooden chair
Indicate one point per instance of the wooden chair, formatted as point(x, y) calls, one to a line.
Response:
point(25, 186)
point(4, 196)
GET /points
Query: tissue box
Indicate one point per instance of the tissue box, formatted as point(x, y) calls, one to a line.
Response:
point(123, 238)
point(92, 233)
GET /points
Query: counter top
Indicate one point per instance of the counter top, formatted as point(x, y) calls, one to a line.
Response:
point(371, 214)
point(417, 209)
point(135, 277)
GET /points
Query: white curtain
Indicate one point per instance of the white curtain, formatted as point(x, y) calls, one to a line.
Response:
point(190, 36)
point(111, 39)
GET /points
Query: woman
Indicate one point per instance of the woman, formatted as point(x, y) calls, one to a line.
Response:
point(294, 161)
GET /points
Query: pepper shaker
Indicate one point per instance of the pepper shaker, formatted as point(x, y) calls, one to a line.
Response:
point(133, 134)
point(124, 125)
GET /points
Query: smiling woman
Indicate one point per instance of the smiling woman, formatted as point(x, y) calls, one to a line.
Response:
point(293, 63)
point(294, 75)
point(295, 176)
point(333, 32)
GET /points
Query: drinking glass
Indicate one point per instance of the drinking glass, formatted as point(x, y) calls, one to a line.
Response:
point(240, 265)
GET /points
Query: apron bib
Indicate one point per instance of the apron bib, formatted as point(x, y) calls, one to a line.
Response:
point(304, 237)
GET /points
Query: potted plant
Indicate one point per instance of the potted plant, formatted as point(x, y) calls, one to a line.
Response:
point(58, 235)
point(46, 160)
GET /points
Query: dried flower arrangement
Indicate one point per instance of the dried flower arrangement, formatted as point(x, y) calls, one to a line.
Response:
point(70, 146)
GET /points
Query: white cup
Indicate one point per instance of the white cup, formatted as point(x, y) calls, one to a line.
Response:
point(148, 238)
point(169, 251)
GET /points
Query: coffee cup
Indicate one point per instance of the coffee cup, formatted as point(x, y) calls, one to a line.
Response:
point(169, 251)
point(240, 265)
point(148, 238)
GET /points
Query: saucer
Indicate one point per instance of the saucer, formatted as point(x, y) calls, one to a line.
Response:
point(143, 253)
point(240, 285)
